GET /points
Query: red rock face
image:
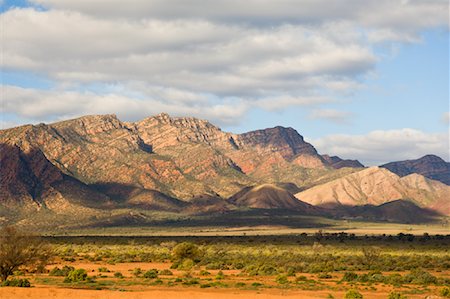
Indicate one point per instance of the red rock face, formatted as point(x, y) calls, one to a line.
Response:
point(181, 157)
point(429, 166)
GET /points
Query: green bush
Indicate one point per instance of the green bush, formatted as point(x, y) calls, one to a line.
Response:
point(21, 283)
point(103, 269)
point(165, 272)
point(61, 272)
point(137, 271)
point(396, 295)
point(350, 276)
point(445, 292)
point(186, 250)
point(220, 275)
point(118, 275)
point(282, 279)
point(76, 275)
point(324, 276)
point(353, 294)
point(204, 273)
point(153, 273)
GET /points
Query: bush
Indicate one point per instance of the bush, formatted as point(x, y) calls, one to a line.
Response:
point(118, 275)
point(185, 250)
point(103, 269)
point(153, 273)
point(204, 273)
point(21, 283)
point(220, 275)
point(282, 279)
point(350, 276)
point(445, 292)
point(165, 272)
point(395, 295)
point(353, 294)
point(137, 272)
point(61, 272)
point(324, 276)
point(76, 276)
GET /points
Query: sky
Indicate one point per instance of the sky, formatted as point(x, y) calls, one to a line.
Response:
point(366, 80)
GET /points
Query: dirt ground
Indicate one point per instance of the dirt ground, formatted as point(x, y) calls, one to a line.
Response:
point(140, 291)
point(41, 292)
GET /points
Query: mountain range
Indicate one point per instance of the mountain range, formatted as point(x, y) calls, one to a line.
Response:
point(97, 167)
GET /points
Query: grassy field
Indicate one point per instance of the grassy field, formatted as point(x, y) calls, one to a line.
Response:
point(315, 265)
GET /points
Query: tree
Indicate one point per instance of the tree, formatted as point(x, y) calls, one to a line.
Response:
point(18, 249)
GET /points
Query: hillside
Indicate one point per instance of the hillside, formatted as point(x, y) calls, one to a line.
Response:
point(180, 157)
point(97, 169)
point(376, 186)
point(430, 166)
point(269, 196)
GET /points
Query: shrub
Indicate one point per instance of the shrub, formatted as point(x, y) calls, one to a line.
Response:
point(324, 276)
point(118, 275)
point(396, 295)
point(103, 269)
point(282, 279)
point(137, 272)
point(165, 272)
point(220, 275)
point(186, 250)
point(204, 273)
point(61, 272)
point(76, 275)
point(153, 273)
point(350, 276)
point(445, 292)
point(21, 283)
point(239, 284)
point(353, 294)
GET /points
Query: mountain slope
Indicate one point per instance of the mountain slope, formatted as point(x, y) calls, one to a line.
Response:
point(337, 162)
point(429, 166)
point(180, 157)
point(269, 196)
point(30, 183)
point(376, 186)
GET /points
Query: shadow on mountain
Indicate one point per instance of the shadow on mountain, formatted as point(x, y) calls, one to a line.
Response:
point(231, 219)
point(129, 196)
point(397, 211)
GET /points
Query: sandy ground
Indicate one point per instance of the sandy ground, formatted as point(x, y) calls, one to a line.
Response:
point(41, 292)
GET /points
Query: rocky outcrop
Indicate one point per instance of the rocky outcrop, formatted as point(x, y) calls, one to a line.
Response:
point(430, 166)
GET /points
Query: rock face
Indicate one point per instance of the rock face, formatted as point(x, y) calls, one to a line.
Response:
point(29, 182)
point(97, 165)
point(430, 166)
point(376, 186)
point(180, 157)
point(337, 162)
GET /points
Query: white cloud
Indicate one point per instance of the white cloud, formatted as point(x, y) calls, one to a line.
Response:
point(52, 105)
point(202, 57)
point(401, 14)
point(446, 118)
point(336, 116)
point(378, 147)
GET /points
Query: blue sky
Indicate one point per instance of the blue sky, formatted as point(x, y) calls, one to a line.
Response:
point(361, 80)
